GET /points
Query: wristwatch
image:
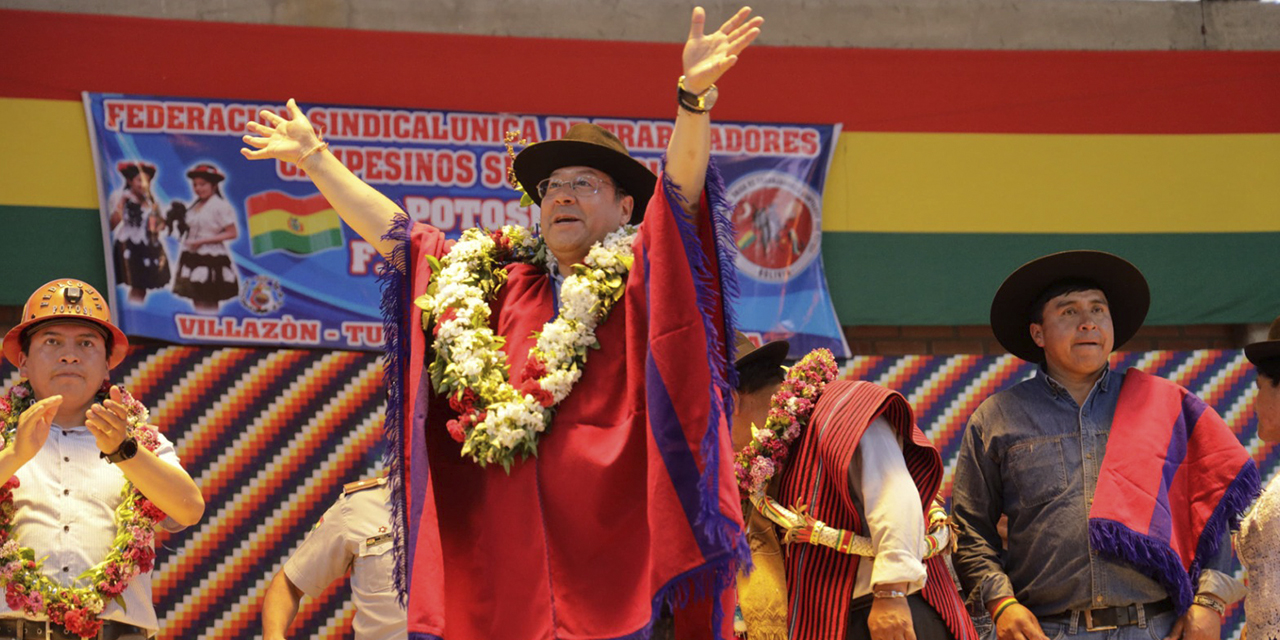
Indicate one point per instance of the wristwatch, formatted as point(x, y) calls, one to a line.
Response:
point(696, 102)
point(128, 449)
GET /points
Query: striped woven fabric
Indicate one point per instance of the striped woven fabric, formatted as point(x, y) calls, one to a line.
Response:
point(820, 581)
point(270, 436)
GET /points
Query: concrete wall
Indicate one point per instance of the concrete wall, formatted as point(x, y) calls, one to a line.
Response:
point(934, 24)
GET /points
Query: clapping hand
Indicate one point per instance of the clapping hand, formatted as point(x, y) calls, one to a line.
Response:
point(108, 421)
point(33, 427)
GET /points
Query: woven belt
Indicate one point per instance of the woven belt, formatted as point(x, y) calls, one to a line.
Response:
point(19, 629)
point(1112, 617)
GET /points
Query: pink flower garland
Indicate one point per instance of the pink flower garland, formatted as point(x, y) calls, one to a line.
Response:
point(26, 588)
point(789, 411)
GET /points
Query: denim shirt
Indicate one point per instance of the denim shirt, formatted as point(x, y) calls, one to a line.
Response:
point(1032, 453)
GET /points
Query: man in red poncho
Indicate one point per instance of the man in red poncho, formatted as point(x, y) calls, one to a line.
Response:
point(546, 489)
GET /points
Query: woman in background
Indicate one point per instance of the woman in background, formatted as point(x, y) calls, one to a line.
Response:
point(206, 274)
point(139, 257)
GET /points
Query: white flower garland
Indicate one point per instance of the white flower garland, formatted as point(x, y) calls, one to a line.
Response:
point(496, 420)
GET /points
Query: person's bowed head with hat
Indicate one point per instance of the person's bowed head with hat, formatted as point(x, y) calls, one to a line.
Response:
point(1079, 439)
point(760, 372)
point(73, 429)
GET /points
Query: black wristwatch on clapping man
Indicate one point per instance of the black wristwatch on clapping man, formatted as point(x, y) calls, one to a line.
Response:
point(128, 449)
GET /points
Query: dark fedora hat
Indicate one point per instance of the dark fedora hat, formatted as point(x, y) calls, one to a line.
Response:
point(774, 353)
point(206, 171)
point(130, 168)
point(1268, 349)
point(586, 145)
point(1128, 296)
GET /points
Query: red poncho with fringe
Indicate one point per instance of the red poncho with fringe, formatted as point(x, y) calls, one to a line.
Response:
point(1173, 480)
point(631, 500)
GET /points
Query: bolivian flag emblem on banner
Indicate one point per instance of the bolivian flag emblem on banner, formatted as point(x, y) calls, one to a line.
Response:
point(302, 226)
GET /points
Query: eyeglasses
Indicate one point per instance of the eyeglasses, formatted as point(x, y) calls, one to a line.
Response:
point(581, 186)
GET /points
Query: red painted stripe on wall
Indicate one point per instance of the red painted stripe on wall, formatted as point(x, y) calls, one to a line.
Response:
point(58, 55)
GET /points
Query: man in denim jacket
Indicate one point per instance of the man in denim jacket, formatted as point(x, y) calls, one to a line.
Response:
point(1034, 451)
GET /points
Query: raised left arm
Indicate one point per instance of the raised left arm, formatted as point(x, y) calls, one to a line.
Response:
point(706, 58)
point(165, 484)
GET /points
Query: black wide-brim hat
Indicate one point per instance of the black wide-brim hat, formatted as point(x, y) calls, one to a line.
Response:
point(1128, 296)
point(774, 353)
point(586, 145)
point(1268, 349)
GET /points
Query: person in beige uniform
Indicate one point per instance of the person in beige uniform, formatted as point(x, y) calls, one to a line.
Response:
point(355, 533)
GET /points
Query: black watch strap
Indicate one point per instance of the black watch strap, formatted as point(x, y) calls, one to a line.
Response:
point(128, 449)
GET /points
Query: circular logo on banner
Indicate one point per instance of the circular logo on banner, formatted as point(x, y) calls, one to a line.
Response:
point(776, 223)
point(261, 294)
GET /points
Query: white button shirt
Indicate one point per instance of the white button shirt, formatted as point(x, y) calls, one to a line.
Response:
point(894, 519)
point(66, 513)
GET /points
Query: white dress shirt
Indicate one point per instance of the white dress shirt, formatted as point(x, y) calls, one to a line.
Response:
point(66, 513)
point(894, 516)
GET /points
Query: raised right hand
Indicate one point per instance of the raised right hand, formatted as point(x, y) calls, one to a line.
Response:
point(284, 140)
point(1018, 623)
point(33, 427)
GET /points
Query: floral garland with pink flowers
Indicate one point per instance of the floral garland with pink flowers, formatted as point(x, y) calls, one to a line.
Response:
point(496, 419)
point(76, 608)
point(789, 411)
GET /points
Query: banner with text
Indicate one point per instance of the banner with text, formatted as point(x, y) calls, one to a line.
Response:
point(206, 247)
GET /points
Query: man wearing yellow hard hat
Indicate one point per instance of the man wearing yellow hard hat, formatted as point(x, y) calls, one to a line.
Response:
point(87, 478)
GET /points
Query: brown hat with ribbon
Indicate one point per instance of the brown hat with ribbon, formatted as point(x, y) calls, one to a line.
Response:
point(67, 300)
point(586, 145)
point(206, 171)
point(1265, 350)
point(1128, 296)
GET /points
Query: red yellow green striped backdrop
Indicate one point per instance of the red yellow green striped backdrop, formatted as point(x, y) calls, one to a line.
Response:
point(271, 435)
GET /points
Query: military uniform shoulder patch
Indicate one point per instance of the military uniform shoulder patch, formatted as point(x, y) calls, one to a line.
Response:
point(360, 485)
